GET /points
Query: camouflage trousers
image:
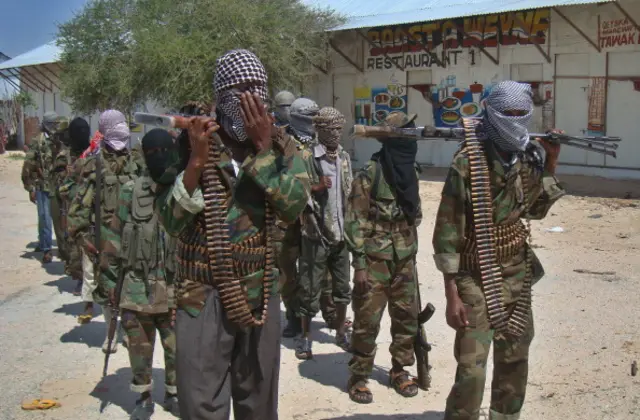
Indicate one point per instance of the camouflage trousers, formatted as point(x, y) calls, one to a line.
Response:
point(141, 331)
point(73, 266)
point(471, 350)
point(288, 254)
point(56, 217)
point(393, 282)
point(317, 265)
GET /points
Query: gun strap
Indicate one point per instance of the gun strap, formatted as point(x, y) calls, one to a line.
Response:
point(220, 250)
point(97, 196)
point(373, 194)
point(485, 234)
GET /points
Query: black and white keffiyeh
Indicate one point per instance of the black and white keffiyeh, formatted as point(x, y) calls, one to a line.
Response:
point(301, 119)
point(510, 133)
point(233, 68)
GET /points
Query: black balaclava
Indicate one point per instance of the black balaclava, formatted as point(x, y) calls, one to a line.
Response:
point(79, 135)
point(398, 158)
point(160, 155)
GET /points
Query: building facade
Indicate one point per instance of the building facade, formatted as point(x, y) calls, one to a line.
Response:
point(582, 61)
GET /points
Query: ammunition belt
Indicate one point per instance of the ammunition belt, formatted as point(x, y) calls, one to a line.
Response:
point(486, 248)
point(225, 269)
point(510, 240)
point(249, 256)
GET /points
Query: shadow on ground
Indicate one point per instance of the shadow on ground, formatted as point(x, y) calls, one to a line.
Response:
point(318, 335)
point(64, 284)
point(91, 334)
point(114, 389)
point(427, 415)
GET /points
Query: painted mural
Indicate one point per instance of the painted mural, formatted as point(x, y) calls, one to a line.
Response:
point(519, 28)
point(451, 102)
point(373, 104)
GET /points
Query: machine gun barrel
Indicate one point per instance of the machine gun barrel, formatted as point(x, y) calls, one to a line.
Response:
point(603, 145)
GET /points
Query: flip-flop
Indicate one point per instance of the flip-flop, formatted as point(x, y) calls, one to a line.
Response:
point(84, 318)
point(40, 405)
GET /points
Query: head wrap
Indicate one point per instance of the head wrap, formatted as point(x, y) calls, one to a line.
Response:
point(49, 122)
point(160, 155)
point(233, 68)
point(283, 101)
point(301, 116)
point(114, 129)
point(509, 133)
point(329, 123)
point(79, 133)
point(398, 158)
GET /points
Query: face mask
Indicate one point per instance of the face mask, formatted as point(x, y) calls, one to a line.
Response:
point(229, 109)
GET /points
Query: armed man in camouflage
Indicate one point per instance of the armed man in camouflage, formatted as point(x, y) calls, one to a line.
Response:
point(522, 185)
point(36, 180)
point(119, 166)
point(63, 170)
point(220, 208)
point(384, 211)
point(323, 244)
point(136, 249)
point(282, 102)
point(59, 145)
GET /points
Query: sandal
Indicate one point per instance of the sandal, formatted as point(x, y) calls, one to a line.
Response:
point(359, 392)
point(403, 383)
point(40, 405)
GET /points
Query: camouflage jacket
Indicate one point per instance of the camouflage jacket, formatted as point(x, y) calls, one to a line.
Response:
point(278, 173)
point(37, 164)
point(318, 218)
point(281, 225)
point(375, 224)
point(59, 169)
point(72, 179)
point(117, 169)
point(135, 247)
point(455, 216)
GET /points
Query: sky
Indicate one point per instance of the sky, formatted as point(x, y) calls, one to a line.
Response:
point(27, 24)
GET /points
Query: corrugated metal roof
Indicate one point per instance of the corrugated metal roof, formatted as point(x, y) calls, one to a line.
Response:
point(47, 53)
point(368, 14)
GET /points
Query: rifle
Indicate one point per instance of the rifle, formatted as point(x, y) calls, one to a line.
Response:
point(421, 346)
point(113, 322)
point(603, 145)
point(165, 121)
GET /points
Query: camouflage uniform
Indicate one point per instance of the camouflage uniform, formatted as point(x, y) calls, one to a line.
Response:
point(453, 225)
point(222, 350)
point(67, 186)
point(118, 168)
point(383, 243)
point(135, 248)
point(35, 178)
point(55, 181)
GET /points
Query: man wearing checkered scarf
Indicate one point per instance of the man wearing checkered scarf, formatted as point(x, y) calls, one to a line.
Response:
point(520, 186)
point(220, 356)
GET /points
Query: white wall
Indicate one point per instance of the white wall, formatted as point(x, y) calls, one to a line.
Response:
point(571, 55)
point(43, 88)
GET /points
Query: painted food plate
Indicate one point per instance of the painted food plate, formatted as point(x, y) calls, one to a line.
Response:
point(396, 102)
point(382, 99)
point(380, 115)
point(470, 109)
point(450, 117)
point(451, 103)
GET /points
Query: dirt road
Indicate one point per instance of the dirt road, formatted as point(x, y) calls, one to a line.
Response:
point(586, 309)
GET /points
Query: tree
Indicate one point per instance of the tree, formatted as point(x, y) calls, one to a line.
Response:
point(122, 52)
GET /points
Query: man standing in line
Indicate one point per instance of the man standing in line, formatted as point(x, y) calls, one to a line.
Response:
point(119, 165)
point(241, 172)
point(36, 179)
point(282, 102)
point(381, 229)
point(136, 249)
point(323, 242)
point(492, 185)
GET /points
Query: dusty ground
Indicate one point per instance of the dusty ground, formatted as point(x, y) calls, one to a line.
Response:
point(586, 321)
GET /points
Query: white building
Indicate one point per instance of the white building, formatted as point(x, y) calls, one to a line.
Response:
point(439, 60)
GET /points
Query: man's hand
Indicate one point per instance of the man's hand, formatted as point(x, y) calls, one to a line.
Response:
point(456, 313)
point(552, 152)
point(89, 248)
point(324, 184)
point(360, 282)
point(32, 197)
point(200, 130)
point(172, 317)
point(258, 122)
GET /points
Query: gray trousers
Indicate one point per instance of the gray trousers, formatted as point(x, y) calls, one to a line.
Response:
point(216, 361)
